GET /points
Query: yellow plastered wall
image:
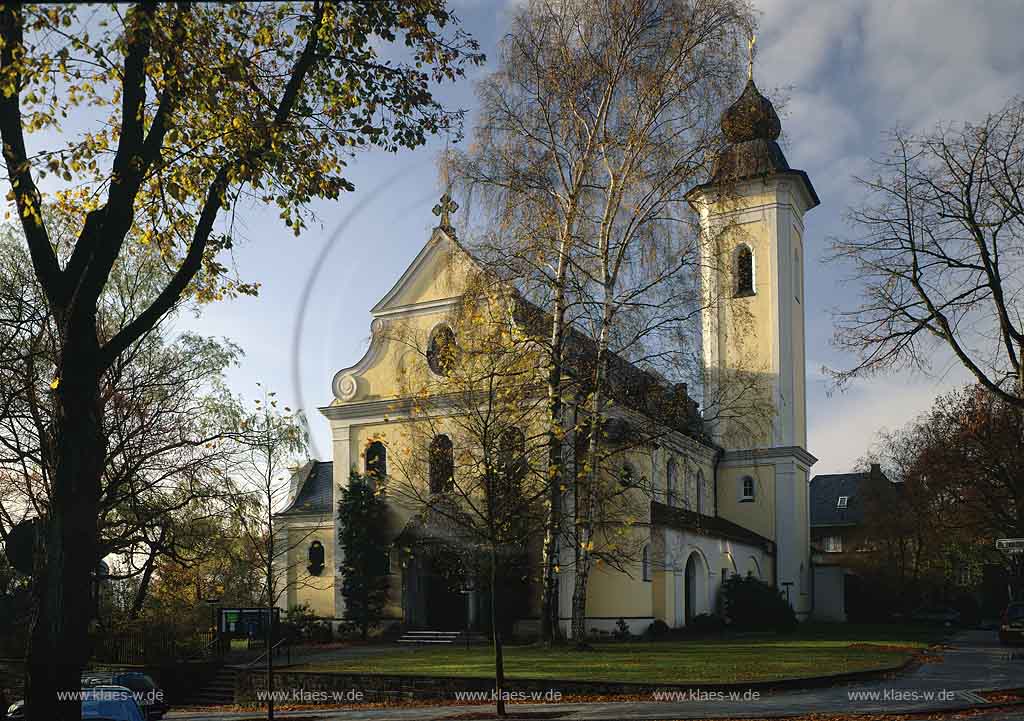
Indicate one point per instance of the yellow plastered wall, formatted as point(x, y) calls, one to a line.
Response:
point(303, 587)
point(757, 515)
point(799, 351)
point(746, 333)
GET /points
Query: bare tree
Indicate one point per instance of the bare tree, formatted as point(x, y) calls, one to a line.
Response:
point(270, 439)
point(600, 118)
point(938, 253)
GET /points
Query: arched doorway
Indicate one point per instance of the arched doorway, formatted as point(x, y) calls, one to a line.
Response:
point(695, 580)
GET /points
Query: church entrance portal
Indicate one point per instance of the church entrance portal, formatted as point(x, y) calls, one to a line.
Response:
point(432, 599)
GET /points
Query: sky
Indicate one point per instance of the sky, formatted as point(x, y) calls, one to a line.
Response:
point(849, 70)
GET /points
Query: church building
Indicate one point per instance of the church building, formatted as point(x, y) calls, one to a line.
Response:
point(727, 496)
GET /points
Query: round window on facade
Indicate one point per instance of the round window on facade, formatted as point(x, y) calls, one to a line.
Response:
point(441, 350)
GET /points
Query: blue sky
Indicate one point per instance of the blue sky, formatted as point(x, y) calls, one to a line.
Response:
point(850, 71)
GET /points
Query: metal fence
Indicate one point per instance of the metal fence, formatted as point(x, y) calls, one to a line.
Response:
point(139, 647)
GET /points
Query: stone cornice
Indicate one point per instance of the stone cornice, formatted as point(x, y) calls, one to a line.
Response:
point(770, 454)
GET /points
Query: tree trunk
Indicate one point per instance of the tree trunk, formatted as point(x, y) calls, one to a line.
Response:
point(579, 599)
point(59, 646)
point(549, 598)
point(499, 658)
point(270, 604)
point(143, 590)
point(586, 495)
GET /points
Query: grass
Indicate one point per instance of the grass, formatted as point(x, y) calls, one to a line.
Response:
point(813, 650)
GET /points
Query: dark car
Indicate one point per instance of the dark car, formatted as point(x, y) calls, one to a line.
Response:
point(147, 694)
point(1011, 626)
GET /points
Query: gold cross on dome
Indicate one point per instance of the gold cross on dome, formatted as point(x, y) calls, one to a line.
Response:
point(444, 209)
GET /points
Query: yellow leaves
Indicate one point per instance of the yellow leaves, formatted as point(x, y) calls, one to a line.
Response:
point(236, 123)
point(54, 384)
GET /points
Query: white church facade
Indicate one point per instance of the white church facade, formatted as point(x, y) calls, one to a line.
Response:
point(726, 496)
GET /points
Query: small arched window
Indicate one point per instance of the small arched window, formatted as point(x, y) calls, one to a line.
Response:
point(376, 460)
point(700, 492)
point(441, 350)
point(671, 482)
point(316, 558)
point(627, 476)
point(442, 464)
point(747, 488)
point(744, 271)
point(645, 563)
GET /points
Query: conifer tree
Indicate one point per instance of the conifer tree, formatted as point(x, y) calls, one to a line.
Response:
point(364, 574)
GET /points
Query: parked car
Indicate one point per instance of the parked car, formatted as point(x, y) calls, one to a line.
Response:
point(148, 695)
point(943, 615)
point(1011, 625)
point(99, 703)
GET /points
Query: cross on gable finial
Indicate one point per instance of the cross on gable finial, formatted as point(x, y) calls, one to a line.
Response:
point(750, 56)
point(446, 206)
point(444, 209)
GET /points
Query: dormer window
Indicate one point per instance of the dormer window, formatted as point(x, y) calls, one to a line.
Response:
point(843, 502)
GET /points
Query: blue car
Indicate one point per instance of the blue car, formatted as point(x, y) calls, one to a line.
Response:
point(99, 703)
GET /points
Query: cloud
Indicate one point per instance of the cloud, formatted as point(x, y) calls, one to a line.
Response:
point(843, 426)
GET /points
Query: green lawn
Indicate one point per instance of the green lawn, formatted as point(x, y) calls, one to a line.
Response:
point(813, 650)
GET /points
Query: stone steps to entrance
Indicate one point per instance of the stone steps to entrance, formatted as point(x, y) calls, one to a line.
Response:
point(218, 691)
point(442, 637)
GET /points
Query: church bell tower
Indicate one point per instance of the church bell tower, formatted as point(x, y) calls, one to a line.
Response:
point(751, 213)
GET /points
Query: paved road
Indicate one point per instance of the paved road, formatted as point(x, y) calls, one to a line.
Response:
point(975, 662)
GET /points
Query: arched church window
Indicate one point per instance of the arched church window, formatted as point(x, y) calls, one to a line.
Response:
point(506, 497)
point(441, 350)
point(442, 464)
point(512, 453)
point(671, 481)
point(376, 460)
point(700, 492)
point(747, 488)
point(744, 271)
point(316, 558)
point(627, 476)
point(645, 563)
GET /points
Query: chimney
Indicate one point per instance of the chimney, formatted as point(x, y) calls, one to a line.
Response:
point(876, 472)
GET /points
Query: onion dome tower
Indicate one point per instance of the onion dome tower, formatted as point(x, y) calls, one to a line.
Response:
point(752, 220)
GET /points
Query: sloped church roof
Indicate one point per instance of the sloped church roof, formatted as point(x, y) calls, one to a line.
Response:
point(314, 495)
